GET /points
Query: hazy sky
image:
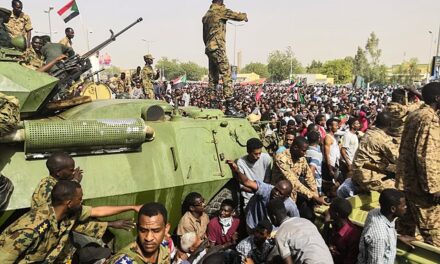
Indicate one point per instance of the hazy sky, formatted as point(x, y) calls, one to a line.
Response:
point(316, 29)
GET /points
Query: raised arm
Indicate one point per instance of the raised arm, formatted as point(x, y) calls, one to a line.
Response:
point(103, 211)
point(243, 179)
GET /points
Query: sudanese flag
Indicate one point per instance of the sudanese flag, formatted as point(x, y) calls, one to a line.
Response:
point(69, 11)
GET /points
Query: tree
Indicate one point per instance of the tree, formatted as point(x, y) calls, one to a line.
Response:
point(372, 48)
point(366, 62)
point(360, 63)
point(340, 69)
point(111, 71)
point(279, 63)
point(256, 67)
point(413, 71)
point(314, 67)
point(173, 69)
point(193, 71)
point(406, 73)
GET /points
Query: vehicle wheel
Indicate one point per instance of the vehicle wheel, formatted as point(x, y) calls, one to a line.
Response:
point(229, 191)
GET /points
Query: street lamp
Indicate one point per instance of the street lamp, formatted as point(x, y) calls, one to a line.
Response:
point(235, 37)
point(430, 53)
point(50, 25)
point(148, 44)
point(291, 62)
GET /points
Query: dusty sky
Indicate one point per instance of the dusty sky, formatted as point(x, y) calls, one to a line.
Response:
point(316, 29)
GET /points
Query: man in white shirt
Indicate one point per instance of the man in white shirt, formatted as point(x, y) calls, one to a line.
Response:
point(298, 240)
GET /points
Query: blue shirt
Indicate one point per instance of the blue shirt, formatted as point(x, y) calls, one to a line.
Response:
point(256, 208)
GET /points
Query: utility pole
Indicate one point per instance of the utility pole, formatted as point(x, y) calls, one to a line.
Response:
point(430, 55)
point(235, 39)
point(50, 24)
point(291, 63)
point(438, 42)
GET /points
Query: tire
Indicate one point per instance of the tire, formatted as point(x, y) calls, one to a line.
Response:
point(229, 191)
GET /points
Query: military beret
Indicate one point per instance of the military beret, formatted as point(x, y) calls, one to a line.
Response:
point(148, 56)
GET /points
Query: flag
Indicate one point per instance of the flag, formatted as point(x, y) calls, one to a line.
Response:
point(259, 94)
point(291, 86)
point(69, 11)
point(181, 79)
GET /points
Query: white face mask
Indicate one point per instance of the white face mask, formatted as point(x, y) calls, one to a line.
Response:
point(226, 223)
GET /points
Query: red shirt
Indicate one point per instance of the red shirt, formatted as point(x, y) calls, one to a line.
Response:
point(215, 233)
point(346, 241)
point(363, 120)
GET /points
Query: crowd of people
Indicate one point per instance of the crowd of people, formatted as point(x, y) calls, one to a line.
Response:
point(319, 145)
point(323, 145)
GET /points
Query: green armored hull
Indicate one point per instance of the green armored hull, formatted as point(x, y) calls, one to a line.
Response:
point(187, 154)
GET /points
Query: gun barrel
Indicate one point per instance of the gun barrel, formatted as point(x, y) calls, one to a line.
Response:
point(109, 40)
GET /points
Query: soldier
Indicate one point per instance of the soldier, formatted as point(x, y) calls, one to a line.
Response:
point(152, 226)
point(374, 163)
point(32, 57)
point(123, 85)
point(148, 76)
point(67, 40)
point(214, 37)
point(399, 108)
point(418, 164)
point(5, 39)
point(19, 23)
point(40, 234)
point(292, 165)
point(136, 77)
point(54, 52)
point(9, 114)
point(62, 167)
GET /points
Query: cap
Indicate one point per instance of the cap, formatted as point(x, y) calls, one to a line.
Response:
point(148, 56)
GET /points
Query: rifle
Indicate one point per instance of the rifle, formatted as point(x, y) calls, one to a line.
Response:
point(70, 70)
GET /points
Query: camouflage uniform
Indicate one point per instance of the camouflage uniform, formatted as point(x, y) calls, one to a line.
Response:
point(41, 197)
point(9, 113)
point(19, 26)
point(419, 169)
point(378, 149)
point(66, 42)
point(37, 237)
point(32, 60)
point(132, 254)
point(298, 173)
point(398, 113)
point(147, 75)
point(271, 142)
point(123, 86)
point(214, 32)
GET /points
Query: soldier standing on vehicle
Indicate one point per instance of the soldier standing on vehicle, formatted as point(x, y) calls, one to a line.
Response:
point(67, 40)
point(19, 23)
point(148, 76)
point(418, 166)
point(214, 37)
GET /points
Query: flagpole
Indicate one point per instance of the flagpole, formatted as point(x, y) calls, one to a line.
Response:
point(85, 29)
